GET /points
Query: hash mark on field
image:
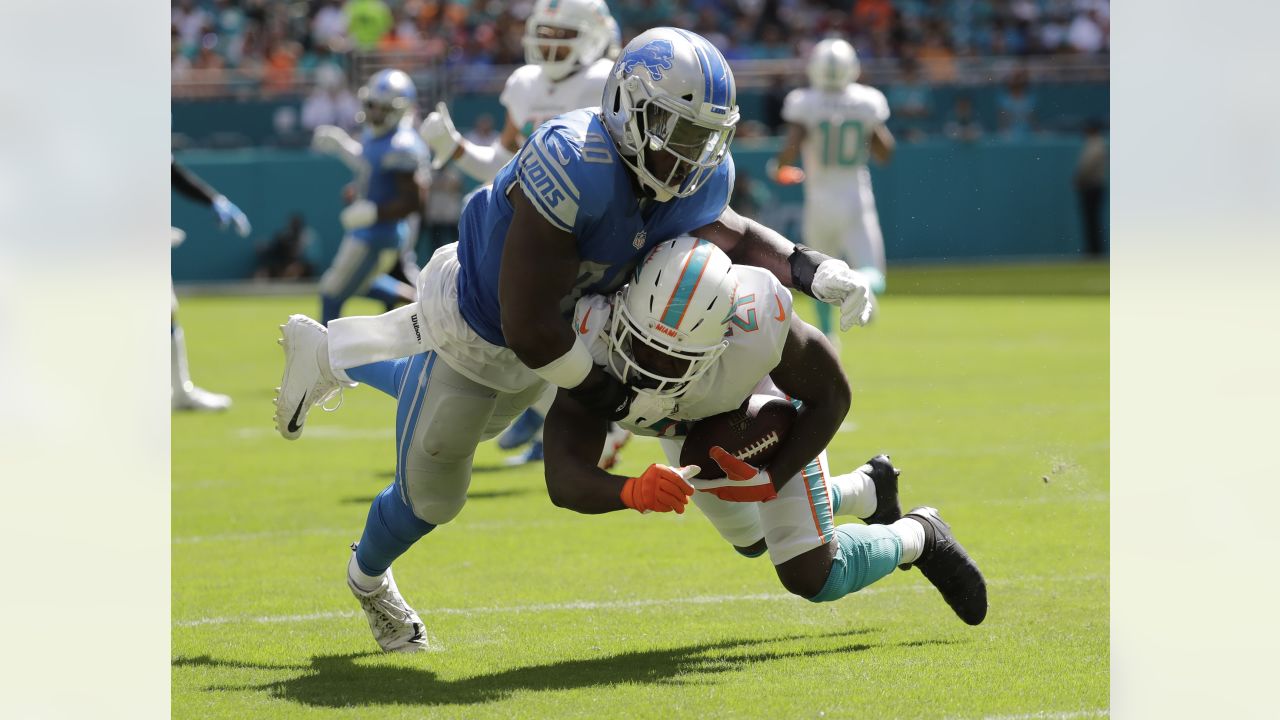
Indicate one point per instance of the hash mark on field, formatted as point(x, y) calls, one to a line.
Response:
point(620, 605)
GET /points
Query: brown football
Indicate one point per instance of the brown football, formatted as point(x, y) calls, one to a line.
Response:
point(752, 433)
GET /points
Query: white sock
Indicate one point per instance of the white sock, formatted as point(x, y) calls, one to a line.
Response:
point(857, 493)
point(911, 532)
point(360, 340)
point(367, 583)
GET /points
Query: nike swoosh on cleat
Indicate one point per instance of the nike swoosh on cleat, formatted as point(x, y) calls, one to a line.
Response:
point(293, 421)
point(582, 329)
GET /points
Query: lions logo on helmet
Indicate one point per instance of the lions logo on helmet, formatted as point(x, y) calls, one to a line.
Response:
point(385, 100)
point(670, 106)
point(655, 57)
point(670, 322)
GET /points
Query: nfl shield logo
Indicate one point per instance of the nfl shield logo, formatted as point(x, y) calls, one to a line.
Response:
point(638, 241)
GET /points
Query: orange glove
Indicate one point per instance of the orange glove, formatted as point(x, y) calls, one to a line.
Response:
point(660, 488)
point(745, 482)
point(789, 175)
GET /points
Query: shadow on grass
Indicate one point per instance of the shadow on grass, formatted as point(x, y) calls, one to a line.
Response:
point(344, 680)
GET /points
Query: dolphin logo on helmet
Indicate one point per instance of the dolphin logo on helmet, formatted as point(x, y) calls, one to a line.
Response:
point(655, 57)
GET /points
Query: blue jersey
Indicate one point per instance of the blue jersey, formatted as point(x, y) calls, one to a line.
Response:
point(572, 173)
point(385, 156)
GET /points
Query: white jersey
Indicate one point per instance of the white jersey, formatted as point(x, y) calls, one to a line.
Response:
point(531, 98)
point(839, 126)
point(758, 332)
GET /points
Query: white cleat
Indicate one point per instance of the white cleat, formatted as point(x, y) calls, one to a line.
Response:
point(307, 379)
point(200, 400)
point(395, 625)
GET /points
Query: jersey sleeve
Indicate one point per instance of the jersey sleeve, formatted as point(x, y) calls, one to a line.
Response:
point(546, 170)
point(793, 107)
point(515, 96)
point(879, 105)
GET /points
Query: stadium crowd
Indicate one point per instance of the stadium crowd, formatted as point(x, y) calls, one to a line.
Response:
point(270, 46)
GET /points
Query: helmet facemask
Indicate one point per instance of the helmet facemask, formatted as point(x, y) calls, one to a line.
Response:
point(675, 152)
point(686, 363)
point(561, 46)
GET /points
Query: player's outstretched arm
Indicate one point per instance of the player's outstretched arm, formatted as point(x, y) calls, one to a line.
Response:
point(827, 279)
point(809, 371)
point(882, 145)
point(480, 162)
point(782, 168)
point(572, 438)
point(189, 185)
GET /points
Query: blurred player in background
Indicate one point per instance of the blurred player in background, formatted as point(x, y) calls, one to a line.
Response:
point(569, 46)
point(835, 125)
point(566, 46)
point(386, 162)
point(585, 199)
point(672, 339)
point(184, 393)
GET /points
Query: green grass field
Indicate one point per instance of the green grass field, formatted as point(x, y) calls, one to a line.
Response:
point(993, 403)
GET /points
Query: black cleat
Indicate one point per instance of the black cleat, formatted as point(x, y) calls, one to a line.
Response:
point(947, 565)
point(885, 478)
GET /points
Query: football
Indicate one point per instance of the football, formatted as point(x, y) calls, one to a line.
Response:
point(752, 433)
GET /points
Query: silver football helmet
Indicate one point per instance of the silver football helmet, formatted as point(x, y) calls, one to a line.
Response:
point(385, 100)
point(582, 27)
point(833, 64)
point(669, 322)
point(670, 105)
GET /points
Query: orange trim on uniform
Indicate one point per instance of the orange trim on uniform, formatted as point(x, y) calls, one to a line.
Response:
point(813, 509)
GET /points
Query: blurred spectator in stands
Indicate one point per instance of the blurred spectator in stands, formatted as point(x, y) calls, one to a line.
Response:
point(331, 103)
point(329, 26)
point(179, 64)
point(209, 68)
point(482, 133)
point(912, 103)
point(1090, 182)
point(283, 257)
point(280, 69)
point(367, 22)
point(191, 21)
point(441, 210)
point(935, 55)
point(1017, 106)
point(1086, 35)
point(963, 125)
point(229, 23)
point(771, 104)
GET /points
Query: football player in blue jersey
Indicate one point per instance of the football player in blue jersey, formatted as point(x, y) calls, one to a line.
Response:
point(589, 194)
point(385, 161)
point(186, 395)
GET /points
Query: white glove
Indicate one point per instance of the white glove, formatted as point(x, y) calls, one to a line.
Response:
point(333, 140)
point(647, 409)
point(835, 283)
point(440, 135)
point(359, 214)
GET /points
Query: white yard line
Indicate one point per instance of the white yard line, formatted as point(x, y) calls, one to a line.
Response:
point(1047, 715)
point(612, 605)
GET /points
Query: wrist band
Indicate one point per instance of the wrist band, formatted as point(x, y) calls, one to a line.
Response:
point(804, 263)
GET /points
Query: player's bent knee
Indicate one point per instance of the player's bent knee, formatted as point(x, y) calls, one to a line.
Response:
point(754, 550)
point(806, 574)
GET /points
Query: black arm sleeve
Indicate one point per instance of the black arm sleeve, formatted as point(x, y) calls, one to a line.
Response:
point(190, 186)
point(804, 264)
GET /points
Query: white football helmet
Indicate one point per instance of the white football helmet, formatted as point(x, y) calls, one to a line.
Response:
point(385, 100)
point(671, 92)
point(615, 40)
point(588, 20)
point(833, 64)
point(670, 321)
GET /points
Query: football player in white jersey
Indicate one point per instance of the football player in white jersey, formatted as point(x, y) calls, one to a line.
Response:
point(835, 125)
point(570, 46)
point(696, 336)
point(567, 44)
